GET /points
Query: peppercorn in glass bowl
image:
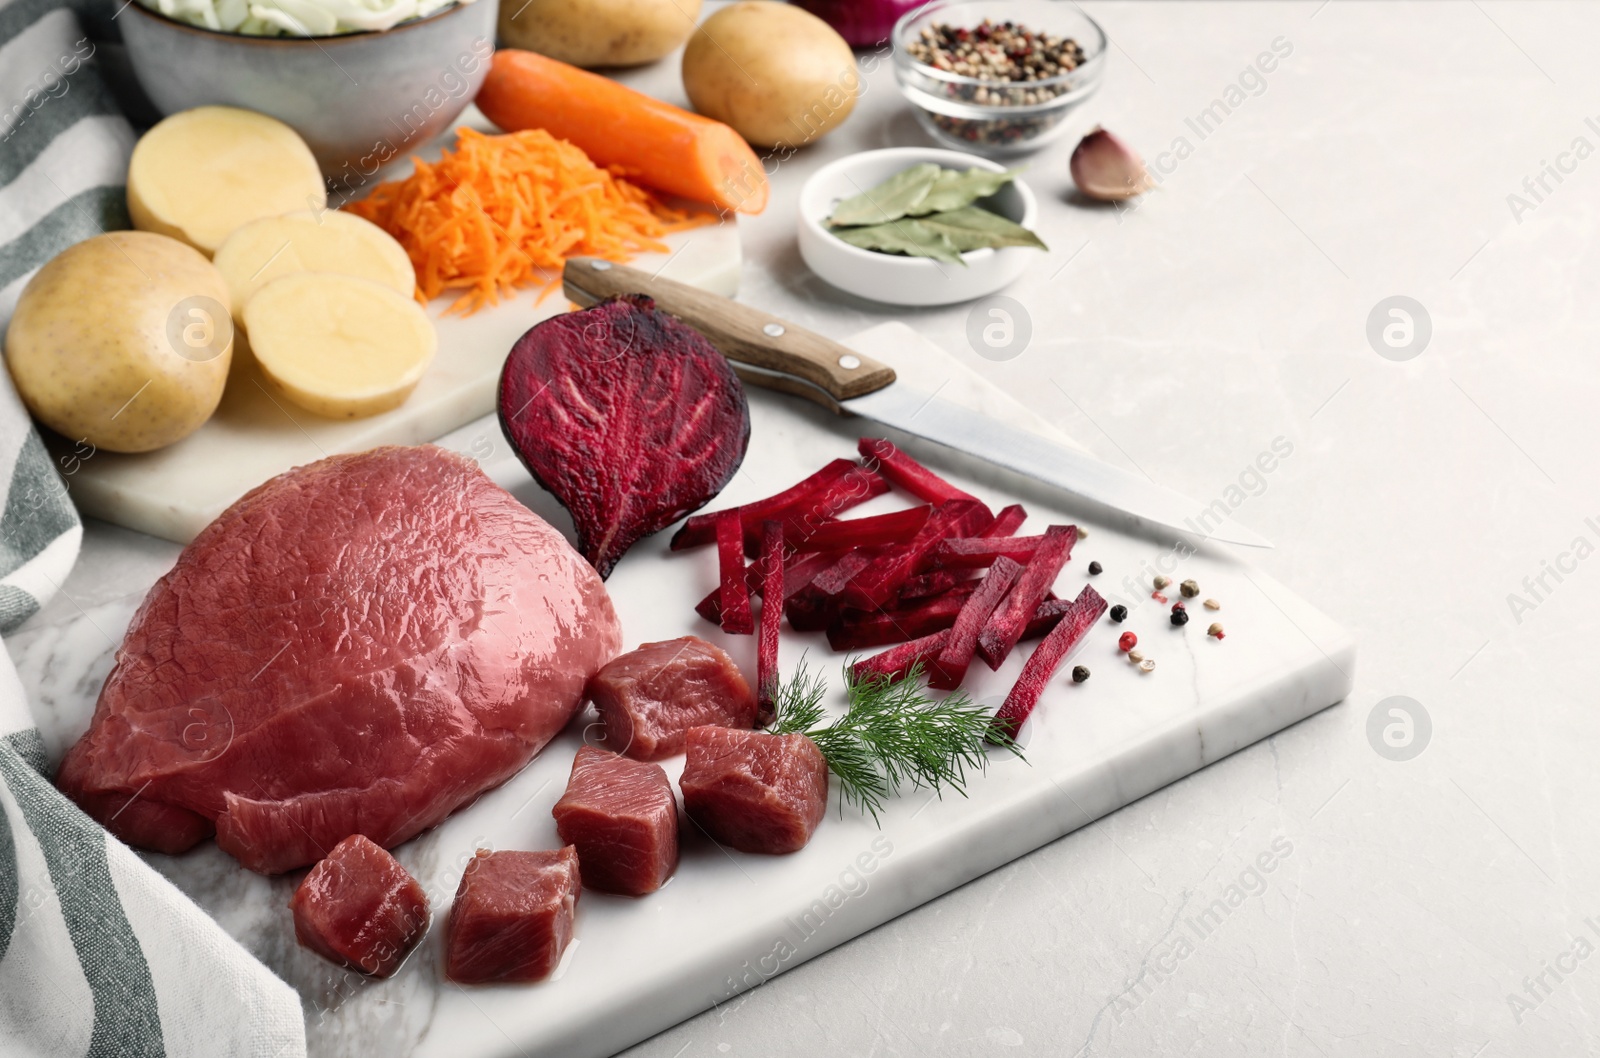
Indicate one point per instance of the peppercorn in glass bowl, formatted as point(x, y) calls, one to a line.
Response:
point(997, 77)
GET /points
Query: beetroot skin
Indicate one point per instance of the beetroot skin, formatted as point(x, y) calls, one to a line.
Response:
point(627, 415)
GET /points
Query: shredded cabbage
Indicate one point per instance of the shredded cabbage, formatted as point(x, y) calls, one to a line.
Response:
point(296, 18)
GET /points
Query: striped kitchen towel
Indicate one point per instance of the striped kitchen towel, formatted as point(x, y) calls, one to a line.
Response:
point(100, 957)
point(63, 152)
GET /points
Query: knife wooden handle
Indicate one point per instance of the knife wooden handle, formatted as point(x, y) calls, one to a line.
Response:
point(785, 357)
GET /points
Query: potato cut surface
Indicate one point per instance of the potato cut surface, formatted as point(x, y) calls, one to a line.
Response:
point(339, 345)
point(309, 241)
point(202, 173)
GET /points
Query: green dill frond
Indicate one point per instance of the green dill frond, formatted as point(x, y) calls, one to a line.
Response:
point(797, 703)
point(893, 735)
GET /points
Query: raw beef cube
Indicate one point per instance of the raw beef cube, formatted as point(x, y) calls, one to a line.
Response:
point(360, 908)
point(512, 917)
point(621, 817)
point(753, 791)
point(649, 697)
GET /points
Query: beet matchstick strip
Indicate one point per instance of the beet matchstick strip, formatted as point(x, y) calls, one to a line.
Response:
point(1046, 617)
point(860, 629)
point(1044, 661)
point(857, 486)
point(736, 616)
point(1011, 617)
point(950, 667)
point(1006, 523)
point(856, 630)
point(844, 481)
point(772, 548)
point(929, 585)
point(896, 527)
point(976, 552)
point(812, 607)
point(902, 470)
point(796, 575)
point(898, 660)
point(875, 586)
point(701, 529)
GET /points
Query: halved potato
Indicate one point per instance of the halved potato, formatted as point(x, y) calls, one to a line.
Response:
point(201, 173)
point(339, 345)
point(310, 241)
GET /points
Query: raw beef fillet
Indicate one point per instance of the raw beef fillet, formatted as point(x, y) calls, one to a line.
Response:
point(753, 791)
point(649, 697)
point(512, 917)
point(360, 908)
point(358, 646)
point(622, 818)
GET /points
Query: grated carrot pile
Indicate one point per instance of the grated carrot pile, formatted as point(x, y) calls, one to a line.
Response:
point(502, 212)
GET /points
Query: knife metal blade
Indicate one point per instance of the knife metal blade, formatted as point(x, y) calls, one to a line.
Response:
point(944, 422)
point(778, 355)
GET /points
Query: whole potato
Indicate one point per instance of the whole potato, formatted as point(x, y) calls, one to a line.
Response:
point(123, 340)
point(779, 75)
point(598, 32)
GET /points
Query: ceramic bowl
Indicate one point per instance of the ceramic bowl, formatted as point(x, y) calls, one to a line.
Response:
point(900, 280)
point(998, 120)
point(359, 99)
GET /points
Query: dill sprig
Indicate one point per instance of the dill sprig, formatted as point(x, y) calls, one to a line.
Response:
point(893, 735)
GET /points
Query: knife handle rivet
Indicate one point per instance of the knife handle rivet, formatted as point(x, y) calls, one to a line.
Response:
point(849, 363)
point(600, 266)
point(773, 330)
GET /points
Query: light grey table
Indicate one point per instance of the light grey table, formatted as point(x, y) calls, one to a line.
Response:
point(1439, 506)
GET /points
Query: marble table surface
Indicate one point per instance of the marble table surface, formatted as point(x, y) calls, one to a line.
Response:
point(1441, 894)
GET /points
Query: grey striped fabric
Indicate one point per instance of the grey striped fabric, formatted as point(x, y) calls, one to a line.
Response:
point(100, 957)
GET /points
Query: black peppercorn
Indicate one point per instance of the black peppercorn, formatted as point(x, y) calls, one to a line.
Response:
point(1095, 569)
point(1180, 617)
point(1079, 674)
point(1119, 613)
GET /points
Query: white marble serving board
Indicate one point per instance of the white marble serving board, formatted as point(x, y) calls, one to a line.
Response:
point(728, 921)
point(256, 434)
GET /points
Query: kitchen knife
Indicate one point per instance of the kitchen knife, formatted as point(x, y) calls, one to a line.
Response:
point(774, 354)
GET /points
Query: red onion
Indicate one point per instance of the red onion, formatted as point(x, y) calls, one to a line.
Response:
point(862, 23)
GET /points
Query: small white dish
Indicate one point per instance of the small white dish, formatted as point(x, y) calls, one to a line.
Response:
point(898, 280)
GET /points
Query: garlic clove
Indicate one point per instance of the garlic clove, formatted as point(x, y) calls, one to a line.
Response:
point(1105, 168)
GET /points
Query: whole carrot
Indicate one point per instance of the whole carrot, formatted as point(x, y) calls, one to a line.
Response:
point(648, 141)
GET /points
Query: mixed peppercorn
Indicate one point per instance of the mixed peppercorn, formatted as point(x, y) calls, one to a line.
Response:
point(1015, 66)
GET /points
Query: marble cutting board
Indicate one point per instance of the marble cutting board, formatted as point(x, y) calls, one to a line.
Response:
point(727, 921)
point(256, 434)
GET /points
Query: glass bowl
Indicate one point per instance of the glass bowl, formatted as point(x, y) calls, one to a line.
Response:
point(995, 117)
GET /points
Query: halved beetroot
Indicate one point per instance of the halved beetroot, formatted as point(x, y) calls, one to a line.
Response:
point(628, 416)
